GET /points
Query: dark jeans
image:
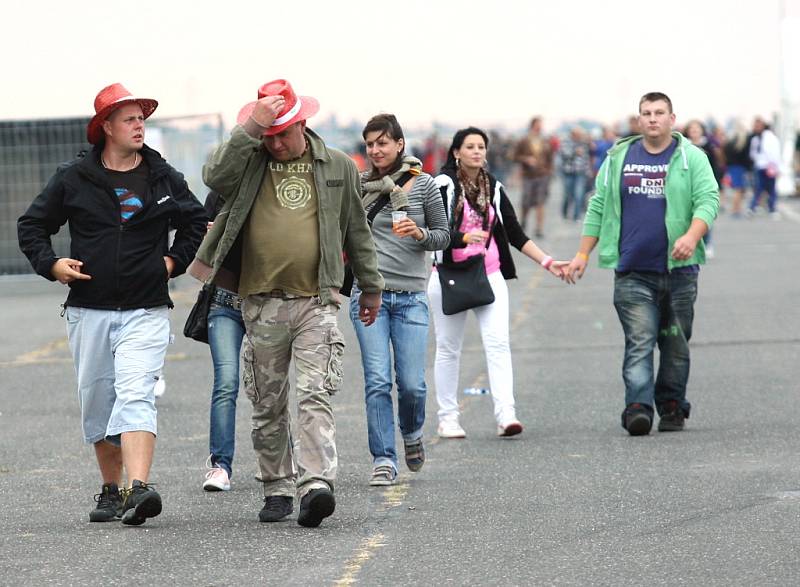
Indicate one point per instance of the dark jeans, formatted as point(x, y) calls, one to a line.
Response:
point(656, 309)
point(764, 183)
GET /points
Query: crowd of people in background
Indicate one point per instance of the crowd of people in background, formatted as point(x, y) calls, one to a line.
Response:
point(745, 161)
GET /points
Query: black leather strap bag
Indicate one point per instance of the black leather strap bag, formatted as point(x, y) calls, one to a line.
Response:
point(464, 284)
point(196, 326)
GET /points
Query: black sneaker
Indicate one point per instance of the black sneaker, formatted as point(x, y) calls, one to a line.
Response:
point(636, 419)
point(315, 506)
point(109, 504)
point(141, 502)
point(276, 507)
point(415, 454)
point(672, 417)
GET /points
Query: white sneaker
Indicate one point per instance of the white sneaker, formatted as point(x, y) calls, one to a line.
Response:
point(217, 480)
point(450, 429)
point(161, 387)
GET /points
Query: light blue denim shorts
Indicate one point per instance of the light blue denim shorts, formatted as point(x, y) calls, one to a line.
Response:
point(118, 357)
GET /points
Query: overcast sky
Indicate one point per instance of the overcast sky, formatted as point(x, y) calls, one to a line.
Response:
point(455, 61)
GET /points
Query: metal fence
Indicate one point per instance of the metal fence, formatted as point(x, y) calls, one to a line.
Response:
point(31, 150)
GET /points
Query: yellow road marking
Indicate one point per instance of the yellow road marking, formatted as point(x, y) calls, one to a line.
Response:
point(43, 356)
point(364, 552)
point(43, 352)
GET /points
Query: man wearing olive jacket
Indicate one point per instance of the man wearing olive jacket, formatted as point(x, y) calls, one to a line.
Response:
point(655, 198)
point(121, 200)
point(294, 205)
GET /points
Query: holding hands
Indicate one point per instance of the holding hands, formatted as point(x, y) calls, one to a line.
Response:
point(554, 267)
point(576, 267)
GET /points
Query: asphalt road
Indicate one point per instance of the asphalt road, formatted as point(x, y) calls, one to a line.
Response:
point(572, 501)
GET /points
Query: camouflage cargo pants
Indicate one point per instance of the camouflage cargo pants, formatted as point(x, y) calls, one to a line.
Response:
point(279, 330)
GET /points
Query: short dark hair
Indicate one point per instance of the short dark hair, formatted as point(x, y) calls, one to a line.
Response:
point(387, 125)
point(653, 97)
point(458, 140)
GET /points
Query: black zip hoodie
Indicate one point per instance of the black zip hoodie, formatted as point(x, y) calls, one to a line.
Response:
point(506, 229)
point(125, 260)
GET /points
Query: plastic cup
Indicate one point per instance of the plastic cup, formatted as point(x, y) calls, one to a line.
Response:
point(397, 217)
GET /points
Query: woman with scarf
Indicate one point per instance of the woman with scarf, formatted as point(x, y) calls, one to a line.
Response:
point(478, 209)
point(395, 184)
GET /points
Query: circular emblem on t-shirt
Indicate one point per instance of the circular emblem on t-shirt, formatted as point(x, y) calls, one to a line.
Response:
point(293, 192)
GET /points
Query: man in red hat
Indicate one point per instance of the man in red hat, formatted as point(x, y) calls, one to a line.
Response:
point(121, 199)
point(294, 204)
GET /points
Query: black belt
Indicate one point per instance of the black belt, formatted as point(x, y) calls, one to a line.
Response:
point(227, 299)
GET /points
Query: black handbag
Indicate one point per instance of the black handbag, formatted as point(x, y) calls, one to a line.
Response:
point(464, 285)
point(196, 326)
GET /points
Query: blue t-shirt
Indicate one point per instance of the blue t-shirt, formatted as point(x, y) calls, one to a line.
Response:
point(643, 237)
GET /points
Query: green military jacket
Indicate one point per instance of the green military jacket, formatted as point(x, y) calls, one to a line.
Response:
point(236, 170)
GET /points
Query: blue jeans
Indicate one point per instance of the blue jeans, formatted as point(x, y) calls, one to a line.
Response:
point(764, 183)
point(402, 321)
point(656, 309)
point(225, 333)
point(574, 194)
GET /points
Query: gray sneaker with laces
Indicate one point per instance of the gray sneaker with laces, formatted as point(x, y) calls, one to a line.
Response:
point(383, 475)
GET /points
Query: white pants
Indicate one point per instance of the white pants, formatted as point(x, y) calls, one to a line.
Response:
point(493, 322)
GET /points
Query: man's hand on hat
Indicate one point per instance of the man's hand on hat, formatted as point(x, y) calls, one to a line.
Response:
point(66, 270)
point(267, 109)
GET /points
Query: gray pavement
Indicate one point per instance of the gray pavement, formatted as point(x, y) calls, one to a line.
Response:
point(572, 501)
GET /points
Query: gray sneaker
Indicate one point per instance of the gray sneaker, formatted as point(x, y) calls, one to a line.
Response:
point(415, 454)
point(383, 475)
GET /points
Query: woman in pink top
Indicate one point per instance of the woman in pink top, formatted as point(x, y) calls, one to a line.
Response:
point(477, 209)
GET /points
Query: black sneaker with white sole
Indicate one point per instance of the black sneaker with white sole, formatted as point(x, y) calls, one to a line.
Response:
point(276, 507)
point(109, 504)
point(141, 502)
point(315, 506)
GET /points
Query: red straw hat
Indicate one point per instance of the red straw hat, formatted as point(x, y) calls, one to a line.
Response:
point(109, 99)
point(297, 107)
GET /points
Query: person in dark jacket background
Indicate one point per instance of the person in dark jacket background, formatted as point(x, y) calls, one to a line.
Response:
point(482, 222)
point(121, 199)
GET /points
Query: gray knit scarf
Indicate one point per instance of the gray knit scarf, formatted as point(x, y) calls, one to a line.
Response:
point(372, 190)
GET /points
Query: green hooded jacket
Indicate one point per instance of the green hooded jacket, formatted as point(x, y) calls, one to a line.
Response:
point(236, 170)
point(691, 192)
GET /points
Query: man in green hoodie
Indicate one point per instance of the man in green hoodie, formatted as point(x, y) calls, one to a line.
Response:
point(293, 205)
point(655, 198)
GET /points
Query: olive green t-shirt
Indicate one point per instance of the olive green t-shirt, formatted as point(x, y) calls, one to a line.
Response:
point(280, 249)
